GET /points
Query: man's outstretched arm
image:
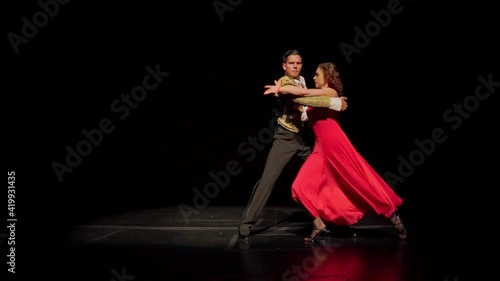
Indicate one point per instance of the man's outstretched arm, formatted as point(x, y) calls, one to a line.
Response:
point(338, 104)
point(334, 103)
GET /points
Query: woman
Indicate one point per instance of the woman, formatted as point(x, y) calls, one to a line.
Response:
point(336, 184)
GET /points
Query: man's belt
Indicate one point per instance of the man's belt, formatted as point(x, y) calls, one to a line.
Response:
point(286, 122)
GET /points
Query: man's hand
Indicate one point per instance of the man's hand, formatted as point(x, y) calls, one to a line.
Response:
point(273, 89)
point(344, 103)
point(283, 81)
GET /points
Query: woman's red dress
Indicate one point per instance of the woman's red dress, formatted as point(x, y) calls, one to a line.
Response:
point(335, 182)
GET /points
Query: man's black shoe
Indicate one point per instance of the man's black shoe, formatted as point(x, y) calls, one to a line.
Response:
point(244, 230)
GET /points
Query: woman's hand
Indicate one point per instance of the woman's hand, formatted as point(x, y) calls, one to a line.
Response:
point(272, 89)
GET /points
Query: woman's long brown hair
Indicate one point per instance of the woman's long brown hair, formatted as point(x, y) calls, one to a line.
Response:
point(332, 77)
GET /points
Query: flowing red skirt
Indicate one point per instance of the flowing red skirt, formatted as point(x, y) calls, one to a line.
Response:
point(336, 183)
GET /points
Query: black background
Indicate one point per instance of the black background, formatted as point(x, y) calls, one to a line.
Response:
point(413, 70)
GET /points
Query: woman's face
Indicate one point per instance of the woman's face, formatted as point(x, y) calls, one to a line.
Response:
point(319, 79)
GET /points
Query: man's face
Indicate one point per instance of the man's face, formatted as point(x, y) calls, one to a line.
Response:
point(293, 66)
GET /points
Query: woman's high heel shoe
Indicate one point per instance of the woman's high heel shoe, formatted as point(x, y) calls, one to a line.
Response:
point(399, 226)
point(318, 233)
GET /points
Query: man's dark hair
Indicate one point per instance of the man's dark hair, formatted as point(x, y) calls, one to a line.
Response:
point(288, 53)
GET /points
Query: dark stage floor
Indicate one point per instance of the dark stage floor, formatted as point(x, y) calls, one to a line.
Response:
point(158, 244)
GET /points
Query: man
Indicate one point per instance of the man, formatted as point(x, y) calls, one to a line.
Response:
point(288, 141)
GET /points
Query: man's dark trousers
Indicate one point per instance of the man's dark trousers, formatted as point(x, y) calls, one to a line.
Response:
point(286, 144)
